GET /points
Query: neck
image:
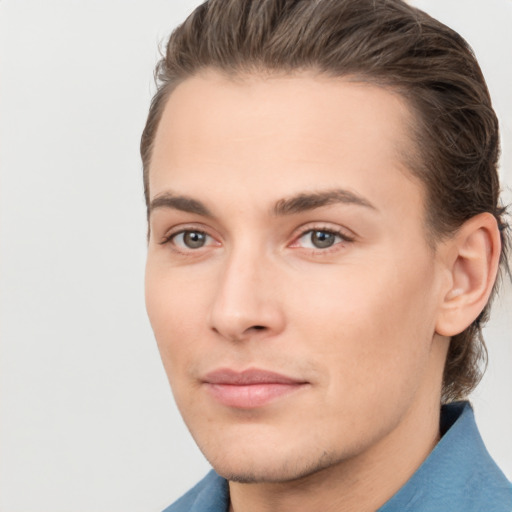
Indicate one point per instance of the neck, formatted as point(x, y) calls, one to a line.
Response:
point(362, 483)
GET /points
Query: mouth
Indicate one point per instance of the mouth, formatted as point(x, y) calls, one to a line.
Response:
point(251, 388)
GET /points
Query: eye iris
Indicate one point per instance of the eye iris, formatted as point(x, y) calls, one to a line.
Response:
point(322, 239)
point(194, 239)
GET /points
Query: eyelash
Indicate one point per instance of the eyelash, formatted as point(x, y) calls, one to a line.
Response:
point(342, 235)
point(169, 238)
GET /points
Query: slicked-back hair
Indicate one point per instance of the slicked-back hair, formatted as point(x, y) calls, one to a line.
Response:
point(387, 43)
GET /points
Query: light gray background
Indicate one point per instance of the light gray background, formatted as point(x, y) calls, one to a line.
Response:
point(87, 420)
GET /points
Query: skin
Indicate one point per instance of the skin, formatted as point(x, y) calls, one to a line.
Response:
point(356, 322)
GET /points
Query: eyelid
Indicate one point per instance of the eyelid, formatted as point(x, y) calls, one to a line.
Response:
point(346, 236)
point(343, 232)
point(183, 228)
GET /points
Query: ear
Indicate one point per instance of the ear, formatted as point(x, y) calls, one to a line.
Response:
point(472, 259)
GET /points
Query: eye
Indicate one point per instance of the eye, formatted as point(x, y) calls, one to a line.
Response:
point(190, 239)
point(320, 239)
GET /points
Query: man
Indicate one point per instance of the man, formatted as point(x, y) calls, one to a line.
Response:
point(324, 239)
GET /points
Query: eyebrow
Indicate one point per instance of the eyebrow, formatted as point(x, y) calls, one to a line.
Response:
point(296, 204)
point(309, 201)
point(178, 202)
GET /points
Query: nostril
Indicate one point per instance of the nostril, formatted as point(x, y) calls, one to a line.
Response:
point(258, 327)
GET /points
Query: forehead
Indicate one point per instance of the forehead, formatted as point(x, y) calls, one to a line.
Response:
point(269, 136)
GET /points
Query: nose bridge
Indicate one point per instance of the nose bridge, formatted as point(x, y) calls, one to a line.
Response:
point(245, 300)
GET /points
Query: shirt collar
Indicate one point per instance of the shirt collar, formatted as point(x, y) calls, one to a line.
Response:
point(458, 475)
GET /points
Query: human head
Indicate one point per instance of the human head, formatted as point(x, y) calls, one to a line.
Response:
point(387, 43)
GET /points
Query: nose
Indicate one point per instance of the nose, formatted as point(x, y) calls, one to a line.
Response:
point(246, 303)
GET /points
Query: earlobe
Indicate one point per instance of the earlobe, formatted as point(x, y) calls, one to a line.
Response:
point(472, 258)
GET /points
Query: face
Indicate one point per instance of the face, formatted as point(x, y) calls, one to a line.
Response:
point(289, 283)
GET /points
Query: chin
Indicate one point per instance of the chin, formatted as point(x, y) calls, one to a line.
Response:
point(275, 467)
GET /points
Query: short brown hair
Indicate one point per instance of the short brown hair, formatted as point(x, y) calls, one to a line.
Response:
point(386, 42)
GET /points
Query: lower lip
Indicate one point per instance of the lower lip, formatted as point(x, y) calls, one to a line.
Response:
point(252, 395)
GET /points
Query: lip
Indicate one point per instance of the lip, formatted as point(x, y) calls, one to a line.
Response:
point(250, 388)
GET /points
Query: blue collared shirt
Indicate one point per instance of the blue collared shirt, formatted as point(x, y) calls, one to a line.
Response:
point(458, 476)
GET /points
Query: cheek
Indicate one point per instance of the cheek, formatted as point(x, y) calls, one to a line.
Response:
point(368, 328)
point(174, 314)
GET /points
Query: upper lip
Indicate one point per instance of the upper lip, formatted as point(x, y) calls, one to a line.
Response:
point(248, 377)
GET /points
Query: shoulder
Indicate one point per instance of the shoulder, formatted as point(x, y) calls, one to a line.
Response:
point(209, 495)
point(459, 475)
point(482, 484)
